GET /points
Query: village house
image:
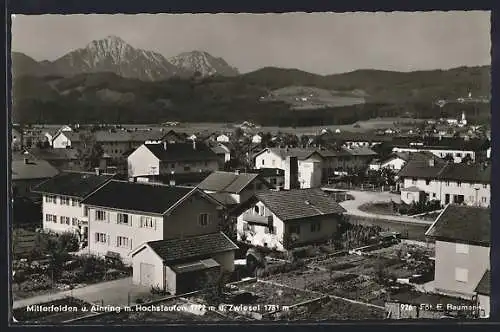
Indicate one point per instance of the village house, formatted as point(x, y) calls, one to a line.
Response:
point(273, 176)
point(284, 219)
point(397, 160)
point(182, 265)
point(223, 138)
point(162, 158)
point(435, 179)
point(232, 188)
point(27, 173)
point(124, 215)
point(462, 260)
point(115, 144)
point(62, 159)
point(454, 148)
point(223, 152)
point(62, 208)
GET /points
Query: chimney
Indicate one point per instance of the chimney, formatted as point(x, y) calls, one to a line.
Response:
point(291, 173)
point(194, 144)
point(97, 171)
point(431, 162)
point(165, 146)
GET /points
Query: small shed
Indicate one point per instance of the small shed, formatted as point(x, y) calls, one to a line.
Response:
point(184, 264)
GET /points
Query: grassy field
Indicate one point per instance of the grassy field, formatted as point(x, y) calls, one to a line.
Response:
point(311, 98)
point(364, 126)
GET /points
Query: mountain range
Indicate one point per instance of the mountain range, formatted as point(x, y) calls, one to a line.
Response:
point(113, 54)
point(110, 81)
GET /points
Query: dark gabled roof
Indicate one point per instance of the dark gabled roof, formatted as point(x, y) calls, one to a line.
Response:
point(469, 224)
point(268, 172)
point(32, 169)
point(299, 203)
point(75, 184)
point(484, 285)
point(422, 169)
point(135, 196)
point(224, 198)
point(227, 182)
point(220, 149)
point(192, 247)
point(466, 173)
point(182, 152)
point(178, 178)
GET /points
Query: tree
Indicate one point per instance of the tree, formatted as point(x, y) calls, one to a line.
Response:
point(448, 158)
point(90, 151)
point(238, 133)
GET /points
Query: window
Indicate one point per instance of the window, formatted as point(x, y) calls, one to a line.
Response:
point(447, 183)
point(433, 195)
point(100, 215)
point(294, 229)
point(458, 154)
point(262, 161)
point(74, 202)
point(408, 195)
point(147, 222)
point(61, 219)
point(79, 204)
point(461, 274)
point(413, 181)
point(64, 200)
point(462, 248)
point(427, 182)
point(203, 219)
point(459, 184)
point(272, 229)
point(122, 241)
point(485, 186)
point(74, 221)
point(100, 237)
point(51, 218)
point(484, 199)
point(273, 181)
point(256, 210)
point(122, 218)
point(50, 199)
point(315, 227)
point(85, 211)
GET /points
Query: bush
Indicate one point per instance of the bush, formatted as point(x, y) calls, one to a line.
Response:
point(69, 241)
point(282, 268)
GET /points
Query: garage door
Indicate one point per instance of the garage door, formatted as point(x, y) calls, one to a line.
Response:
point(147, 274)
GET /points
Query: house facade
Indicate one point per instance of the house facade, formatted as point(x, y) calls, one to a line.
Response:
point(447, 182)
point(283, 219)
point(122, 215)
point(462, 236)
point(62, 208)
point(222, 138)
point(164, 158)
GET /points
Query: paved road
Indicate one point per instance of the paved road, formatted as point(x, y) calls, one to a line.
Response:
point(363, 197)
point(114, 292)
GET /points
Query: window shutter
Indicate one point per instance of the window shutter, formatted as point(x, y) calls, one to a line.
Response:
point(154, 221)
point(130, 220)
point(131, 244)
point(108, 215)
point(109, 240)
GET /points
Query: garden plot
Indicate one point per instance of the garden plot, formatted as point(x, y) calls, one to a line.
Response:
point(272, 294)
point(337, 310)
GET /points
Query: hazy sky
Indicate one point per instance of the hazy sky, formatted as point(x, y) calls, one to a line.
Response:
point(322, 43)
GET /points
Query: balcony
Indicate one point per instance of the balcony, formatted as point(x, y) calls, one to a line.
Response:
point(257, 219)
